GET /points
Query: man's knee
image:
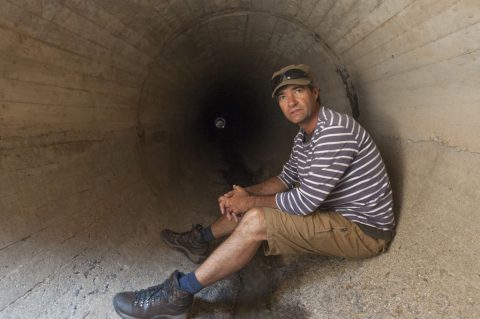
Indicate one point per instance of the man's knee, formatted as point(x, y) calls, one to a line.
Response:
point(253, 223)
point(254, 215)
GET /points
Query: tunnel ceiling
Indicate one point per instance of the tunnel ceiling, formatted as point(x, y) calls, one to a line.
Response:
point(382, 44)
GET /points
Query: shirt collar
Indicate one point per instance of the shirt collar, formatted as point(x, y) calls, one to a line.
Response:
point(320, 126)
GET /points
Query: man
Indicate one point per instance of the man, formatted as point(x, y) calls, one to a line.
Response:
point(332, 198)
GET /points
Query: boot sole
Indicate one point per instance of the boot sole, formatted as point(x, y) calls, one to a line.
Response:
point(196, 259)
point(181, 316)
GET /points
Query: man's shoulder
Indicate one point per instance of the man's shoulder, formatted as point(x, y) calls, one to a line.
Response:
point(327, 113)
point(329, 118)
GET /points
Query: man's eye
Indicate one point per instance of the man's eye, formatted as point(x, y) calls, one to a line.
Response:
point(281, 97)
point(299, 90)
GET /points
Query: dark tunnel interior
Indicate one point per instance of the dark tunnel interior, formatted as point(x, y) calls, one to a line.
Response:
point(237, 103)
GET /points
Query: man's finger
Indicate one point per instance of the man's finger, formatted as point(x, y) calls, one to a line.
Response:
point(222, 198)
point(223, 207)
point(229, 194)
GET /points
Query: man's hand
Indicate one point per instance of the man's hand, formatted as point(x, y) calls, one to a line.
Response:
point(240, 191)
point(240, 201)
point(234, 203)
point(222, 199)
point(237, 201)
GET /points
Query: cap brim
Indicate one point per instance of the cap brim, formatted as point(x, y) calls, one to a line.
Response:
point(301, 81)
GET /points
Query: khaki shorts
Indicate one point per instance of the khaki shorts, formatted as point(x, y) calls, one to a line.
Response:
point(324, 233)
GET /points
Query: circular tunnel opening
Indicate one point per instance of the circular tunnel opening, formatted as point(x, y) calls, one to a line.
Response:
point(214, 71)
point(230, 117)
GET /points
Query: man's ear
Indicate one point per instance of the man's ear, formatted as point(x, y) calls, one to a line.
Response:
point(316, 92)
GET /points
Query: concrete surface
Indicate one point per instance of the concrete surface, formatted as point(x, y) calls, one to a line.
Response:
point(102, 144)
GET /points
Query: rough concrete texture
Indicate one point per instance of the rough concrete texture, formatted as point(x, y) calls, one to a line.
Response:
point(101, 146)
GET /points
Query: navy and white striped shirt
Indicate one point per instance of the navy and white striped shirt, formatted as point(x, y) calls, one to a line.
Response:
point(340, 169)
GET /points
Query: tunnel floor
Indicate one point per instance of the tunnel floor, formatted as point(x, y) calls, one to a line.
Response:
point(77, 263)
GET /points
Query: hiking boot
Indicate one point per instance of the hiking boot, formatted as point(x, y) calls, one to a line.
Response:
point(190, 243)
point(165, 301)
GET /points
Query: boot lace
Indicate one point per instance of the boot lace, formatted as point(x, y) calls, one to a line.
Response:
point(151, 295)
point(192, 237)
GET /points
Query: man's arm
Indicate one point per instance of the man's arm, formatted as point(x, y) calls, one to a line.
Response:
point(270, 186)
point(334, 151)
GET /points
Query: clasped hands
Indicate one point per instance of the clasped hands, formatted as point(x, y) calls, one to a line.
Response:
point(235, 202)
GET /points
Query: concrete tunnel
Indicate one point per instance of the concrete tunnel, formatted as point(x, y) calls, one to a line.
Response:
point(107, 136)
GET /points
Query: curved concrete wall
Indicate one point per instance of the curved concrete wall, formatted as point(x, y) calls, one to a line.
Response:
point(103, 142)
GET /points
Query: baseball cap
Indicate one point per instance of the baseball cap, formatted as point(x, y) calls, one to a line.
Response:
point(292, 74)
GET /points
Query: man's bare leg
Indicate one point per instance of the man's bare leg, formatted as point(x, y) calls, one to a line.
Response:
point(223, 227)
point(237, 250)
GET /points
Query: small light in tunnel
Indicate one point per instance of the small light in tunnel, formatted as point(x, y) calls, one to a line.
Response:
point(220, 122)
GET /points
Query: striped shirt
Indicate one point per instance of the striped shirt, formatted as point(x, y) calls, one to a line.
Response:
point(340, 169)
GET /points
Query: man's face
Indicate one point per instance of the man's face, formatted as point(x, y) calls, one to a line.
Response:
point(299, 104)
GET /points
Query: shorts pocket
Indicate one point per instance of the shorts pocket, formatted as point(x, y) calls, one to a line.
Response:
point(322, 227)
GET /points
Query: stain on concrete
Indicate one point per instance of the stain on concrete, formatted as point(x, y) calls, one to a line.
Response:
point(350, 90)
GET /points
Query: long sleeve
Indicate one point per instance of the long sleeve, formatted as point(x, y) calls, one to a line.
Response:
point(289, 174)
point(321, 165)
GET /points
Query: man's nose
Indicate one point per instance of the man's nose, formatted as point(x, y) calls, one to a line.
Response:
point(291, 100)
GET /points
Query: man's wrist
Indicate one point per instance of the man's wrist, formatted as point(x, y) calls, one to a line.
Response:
point(261, 201)
point(252, 201)
point(249, 190)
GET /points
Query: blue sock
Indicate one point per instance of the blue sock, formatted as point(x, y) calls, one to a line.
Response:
point(207, 234)
point(190, 283)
